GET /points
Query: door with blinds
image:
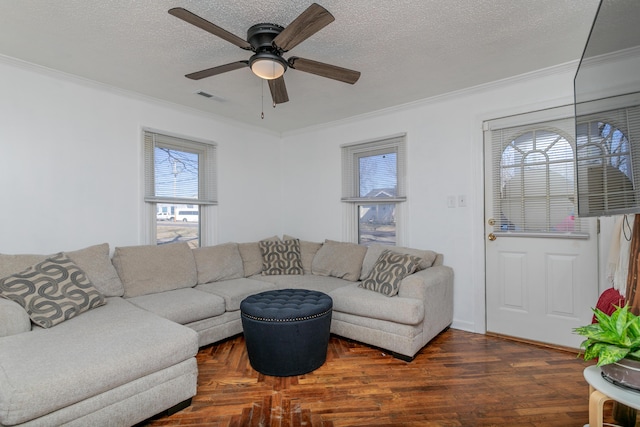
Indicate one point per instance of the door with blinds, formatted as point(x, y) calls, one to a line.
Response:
point(541, 258)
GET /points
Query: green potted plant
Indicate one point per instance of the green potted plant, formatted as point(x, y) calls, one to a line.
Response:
point(615, 341)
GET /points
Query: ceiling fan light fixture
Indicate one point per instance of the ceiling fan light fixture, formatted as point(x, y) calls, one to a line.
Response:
point(267, 66)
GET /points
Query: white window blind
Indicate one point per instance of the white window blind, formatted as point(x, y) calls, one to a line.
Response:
point(608, 164)
point(179, 171)
point(373, 187)
point(533, 178)
point(372, 171)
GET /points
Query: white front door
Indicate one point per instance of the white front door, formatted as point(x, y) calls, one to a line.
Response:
point(541, 260)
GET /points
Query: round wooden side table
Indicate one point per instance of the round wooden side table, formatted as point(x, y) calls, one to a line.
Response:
point(601, 390)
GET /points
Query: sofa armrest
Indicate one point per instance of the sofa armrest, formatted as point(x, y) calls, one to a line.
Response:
point(13, 318)
point(433, 286)
point(418, 284)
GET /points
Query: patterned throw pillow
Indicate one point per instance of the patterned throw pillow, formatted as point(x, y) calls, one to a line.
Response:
point(388, 272)
point(281, 257)
point(52, 291)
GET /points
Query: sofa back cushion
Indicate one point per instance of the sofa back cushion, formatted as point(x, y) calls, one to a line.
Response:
point(252, 257)
point(149, 269)
point(374, 251)
point(93, 260)
point(52, 290)
point(308, 251)
point(12, 264)
point(339, 259)
point(96, 263)
point(220, 262)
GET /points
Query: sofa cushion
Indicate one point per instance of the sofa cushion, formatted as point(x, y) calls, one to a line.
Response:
point(13, 318)
point(93, 260)
point(96, 263)
point(252, 257)
point(375, 250)
point(339, 259)
point(46, 370)
point(308, 250)
point(220, 262)
point(52, 291)
point(354, 300)
point(12, 264)
point(149, 269)
point(388, 272)
point(281, 257)
point(235, 290)
point(181, 305)
point(311, 282)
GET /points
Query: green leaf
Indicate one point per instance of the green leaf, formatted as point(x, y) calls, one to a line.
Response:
point(611, 354)
point(621, 319)
point(613, 337)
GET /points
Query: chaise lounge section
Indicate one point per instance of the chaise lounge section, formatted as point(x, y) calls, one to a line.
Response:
point(132, 355)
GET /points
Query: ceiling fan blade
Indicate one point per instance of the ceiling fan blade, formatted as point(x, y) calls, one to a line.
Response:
point(325, 70)
point(278, 90)
point(304, 26)
point(199, 22)
point(217, 70)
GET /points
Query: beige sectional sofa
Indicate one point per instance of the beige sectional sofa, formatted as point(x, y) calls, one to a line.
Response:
point(125, 349)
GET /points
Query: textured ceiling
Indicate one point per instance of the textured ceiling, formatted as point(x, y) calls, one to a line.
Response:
point(407, 50)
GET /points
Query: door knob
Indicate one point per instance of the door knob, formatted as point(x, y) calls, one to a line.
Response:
point(492, 237)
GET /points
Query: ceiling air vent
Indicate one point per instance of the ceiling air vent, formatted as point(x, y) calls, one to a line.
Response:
point(210, 96)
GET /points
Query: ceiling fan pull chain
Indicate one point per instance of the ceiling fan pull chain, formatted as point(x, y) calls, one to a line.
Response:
point(262, 114)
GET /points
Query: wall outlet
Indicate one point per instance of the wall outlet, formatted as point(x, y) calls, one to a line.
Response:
point(451, 201)
point(462, 201)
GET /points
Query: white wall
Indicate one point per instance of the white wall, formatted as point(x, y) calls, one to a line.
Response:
point(70, 164)
point(70, 171)
point(445, 157)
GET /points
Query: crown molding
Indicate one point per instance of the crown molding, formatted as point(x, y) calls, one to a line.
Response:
point(88, 83)
point(532, 75)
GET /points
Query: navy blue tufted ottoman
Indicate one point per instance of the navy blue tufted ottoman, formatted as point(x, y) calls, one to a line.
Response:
point(286, 330)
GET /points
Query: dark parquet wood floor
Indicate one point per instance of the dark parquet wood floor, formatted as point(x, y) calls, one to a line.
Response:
point(459, 379)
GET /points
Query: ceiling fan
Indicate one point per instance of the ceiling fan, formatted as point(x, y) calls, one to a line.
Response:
point(269, 42)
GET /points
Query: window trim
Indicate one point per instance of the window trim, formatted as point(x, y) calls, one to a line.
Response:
point(207, 183)
point(351, 153)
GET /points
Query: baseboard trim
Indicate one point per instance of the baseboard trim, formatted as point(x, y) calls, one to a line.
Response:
point(533, 342)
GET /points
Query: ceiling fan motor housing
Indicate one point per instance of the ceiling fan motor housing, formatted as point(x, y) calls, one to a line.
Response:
point(261, 36)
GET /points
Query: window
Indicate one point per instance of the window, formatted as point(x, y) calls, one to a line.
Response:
point(607, 176)
point(537, 184)
point(180, 189)
point(373, 189)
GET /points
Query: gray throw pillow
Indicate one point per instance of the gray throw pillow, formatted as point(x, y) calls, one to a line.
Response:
point(52, 291)
point(281, 257)
point(388, 272)
point(308, 251)
point(375, 250)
